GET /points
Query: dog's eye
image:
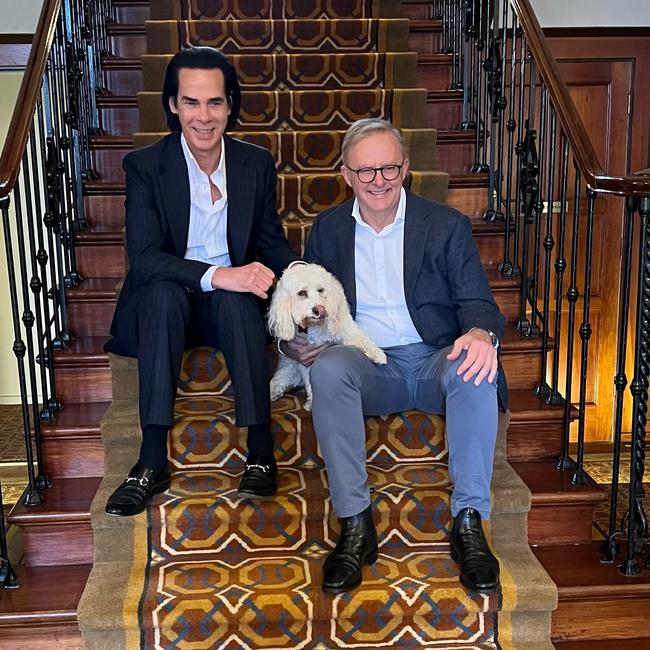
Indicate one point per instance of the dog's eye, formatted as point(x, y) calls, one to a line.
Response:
point(302, 293)
point(321, 290)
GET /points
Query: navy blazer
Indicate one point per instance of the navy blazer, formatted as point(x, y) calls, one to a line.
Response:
point(158, 217)
point(446, 287)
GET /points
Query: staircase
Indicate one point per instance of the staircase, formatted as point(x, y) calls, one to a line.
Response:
point(65, 535)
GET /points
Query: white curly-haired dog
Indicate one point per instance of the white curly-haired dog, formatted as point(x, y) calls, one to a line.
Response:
point(310, 299)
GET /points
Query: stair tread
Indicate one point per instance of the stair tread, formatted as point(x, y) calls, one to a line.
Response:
point(526, 406)
point(427, 25)
point(111, 141)
point(579, 574)
point(83, 351)
point(125, 29)
point(437, 59)
point(121, 63)
point(76, 418)
point(93, 289)
point(47, 594)
point(68, 500)
point(550, 486)
point(609, 644)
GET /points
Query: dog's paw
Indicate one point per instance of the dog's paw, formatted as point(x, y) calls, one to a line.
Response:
point(276, 392)
point(307, 405)
point(376, 355)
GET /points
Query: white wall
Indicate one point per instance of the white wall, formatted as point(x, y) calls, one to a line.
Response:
point(592, 13)
point(19, 16)
point(9, 391)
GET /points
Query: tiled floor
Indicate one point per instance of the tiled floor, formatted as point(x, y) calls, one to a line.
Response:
point(12, 454)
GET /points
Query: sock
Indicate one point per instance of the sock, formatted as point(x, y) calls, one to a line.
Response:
point(260, 441)
point(153, 451)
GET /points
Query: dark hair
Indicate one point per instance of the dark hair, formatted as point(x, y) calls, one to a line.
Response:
point(204, 58)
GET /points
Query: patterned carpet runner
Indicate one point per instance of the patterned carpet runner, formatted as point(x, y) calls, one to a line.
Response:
point(205, 569)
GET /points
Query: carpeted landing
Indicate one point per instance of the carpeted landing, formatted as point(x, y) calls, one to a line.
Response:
point(205, 569)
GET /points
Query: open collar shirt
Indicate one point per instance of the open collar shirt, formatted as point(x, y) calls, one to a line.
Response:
point(381, 311)
point(207, 239)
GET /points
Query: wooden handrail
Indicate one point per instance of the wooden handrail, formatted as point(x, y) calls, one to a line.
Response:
point(583, 151)
point(30, 88)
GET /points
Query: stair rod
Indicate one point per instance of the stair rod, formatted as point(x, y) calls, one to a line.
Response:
point(42, 168)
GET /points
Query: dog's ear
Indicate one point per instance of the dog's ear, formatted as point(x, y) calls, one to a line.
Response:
point(281, 323)
point(338, 310)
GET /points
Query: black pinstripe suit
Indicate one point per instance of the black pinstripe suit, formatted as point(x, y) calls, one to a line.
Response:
point(161, 308)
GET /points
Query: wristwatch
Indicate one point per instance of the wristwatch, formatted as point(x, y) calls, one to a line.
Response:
point(494, 338)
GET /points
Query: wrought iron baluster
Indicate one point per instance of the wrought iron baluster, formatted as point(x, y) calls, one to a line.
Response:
point(610, 547)
point(507, 267)
point(565, 461)
point(579, 476)
point(469, 89)
point(29, 317)
point(637, 522)
point(554, 396)
point(520, 238)
point(32, 495)
point(543, 388)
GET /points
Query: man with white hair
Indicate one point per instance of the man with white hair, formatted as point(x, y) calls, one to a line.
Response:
point(414, 281)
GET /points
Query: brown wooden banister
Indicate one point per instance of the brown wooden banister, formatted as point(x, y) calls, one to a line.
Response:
point(30, 88)
point(583, 151)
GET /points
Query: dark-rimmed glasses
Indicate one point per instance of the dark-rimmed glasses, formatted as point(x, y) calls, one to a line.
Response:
point(368, 174)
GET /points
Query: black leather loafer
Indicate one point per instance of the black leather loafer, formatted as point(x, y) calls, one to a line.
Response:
point(133, 496)
point(479, 569)
point(356, 547)
point(260, 477)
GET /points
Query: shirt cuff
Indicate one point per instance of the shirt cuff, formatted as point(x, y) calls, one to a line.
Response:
point(206, 280)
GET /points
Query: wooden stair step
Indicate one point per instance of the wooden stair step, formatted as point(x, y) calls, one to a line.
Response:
point(73, 443)
point(76, 421)
point(42, 613)
point(444, 109)
point(58, 531)
point(612, 644)
point(434, 71)
point(123, 74)
point(91, 306)
point(131, 12)
point(127, 41)
point(561, 513)
point(82, 372)
point(417, 9)
point(425, 36)
point(595, 600)
point(100, 251)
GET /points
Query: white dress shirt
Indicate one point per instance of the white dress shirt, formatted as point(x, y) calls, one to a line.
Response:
point(207, 238)
point(379, 273)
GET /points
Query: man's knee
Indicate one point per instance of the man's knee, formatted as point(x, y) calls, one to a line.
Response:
point(240, 307)
point(452, 379)
point(334, 364)
point(162, 300)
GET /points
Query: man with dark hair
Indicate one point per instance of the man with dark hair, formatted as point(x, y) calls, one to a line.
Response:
point(412, 275)
point(200, 212)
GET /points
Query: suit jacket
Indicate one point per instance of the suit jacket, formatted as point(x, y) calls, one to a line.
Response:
point(446, 288)
point(158, 217)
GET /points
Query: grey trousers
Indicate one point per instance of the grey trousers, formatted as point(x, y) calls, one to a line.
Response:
point(348, 386)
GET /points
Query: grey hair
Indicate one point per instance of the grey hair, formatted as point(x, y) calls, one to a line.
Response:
point(363, 128)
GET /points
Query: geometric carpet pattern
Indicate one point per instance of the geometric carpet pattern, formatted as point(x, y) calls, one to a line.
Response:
point(202, 568)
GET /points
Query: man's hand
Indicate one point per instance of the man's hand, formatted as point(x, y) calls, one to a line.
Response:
point(251, 278)
point(481, 359)
point(301, 350)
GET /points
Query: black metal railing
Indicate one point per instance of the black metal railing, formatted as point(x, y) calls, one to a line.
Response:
point(42, 167)
point(548, 189)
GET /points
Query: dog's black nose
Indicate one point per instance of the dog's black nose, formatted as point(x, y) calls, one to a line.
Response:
point(315, 311)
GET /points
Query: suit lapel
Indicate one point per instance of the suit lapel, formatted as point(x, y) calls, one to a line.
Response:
point(345, 232)
point(241, 191)
point(416, 227)
point(175, 192)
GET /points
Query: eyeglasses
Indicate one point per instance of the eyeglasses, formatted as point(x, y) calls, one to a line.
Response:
point(368, 174)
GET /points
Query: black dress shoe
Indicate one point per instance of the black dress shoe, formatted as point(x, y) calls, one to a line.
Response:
point(479, 569)
point(356, 547)
point(260, 478)
point(134, 494)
